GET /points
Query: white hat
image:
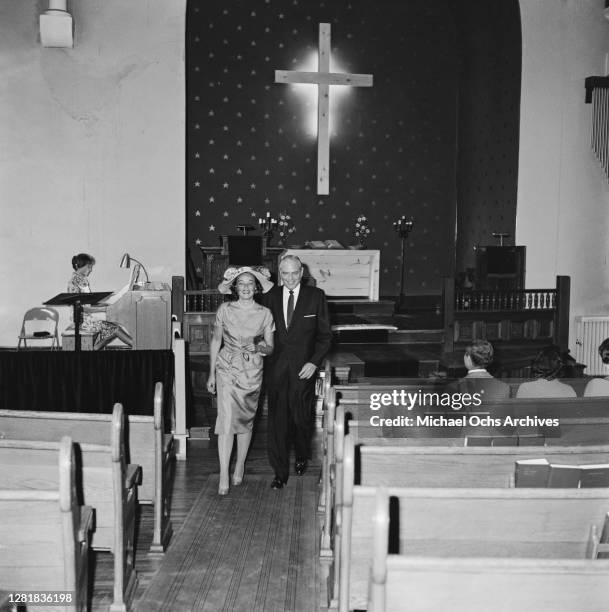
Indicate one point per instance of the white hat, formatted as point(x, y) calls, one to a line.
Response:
point(231, 274)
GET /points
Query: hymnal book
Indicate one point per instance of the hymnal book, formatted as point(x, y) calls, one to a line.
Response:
point(563, 476)
point(542, 473)
point(478, 441)
point(532, 472)
point(594, 475)
point(505, 441)
point(531, 440)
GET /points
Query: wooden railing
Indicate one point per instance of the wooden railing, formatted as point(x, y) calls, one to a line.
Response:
point(199, 300)
point(509, 317)
point(203, 300)
point(492, 301)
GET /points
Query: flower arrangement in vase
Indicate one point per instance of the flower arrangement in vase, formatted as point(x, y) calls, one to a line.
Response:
point(362, 231)
point(285, 226)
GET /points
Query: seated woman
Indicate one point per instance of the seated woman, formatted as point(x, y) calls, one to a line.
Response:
point(79, 283)
point(600, 386)
point(547, 367)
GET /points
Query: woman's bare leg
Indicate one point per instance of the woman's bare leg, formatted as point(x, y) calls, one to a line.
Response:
point(225, 447)
point(243, 444)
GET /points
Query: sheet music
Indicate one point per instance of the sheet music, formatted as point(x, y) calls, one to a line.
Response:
point(115, 297)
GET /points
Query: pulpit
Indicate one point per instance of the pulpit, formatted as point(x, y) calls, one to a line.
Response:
point(237, 250)
point(342, 273)
point(500, 268)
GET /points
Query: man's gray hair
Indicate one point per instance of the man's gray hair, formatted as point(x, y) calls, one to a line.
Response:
point(290, 257)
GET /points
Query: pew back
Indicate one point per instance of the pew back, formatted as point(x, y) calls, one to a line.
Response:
point(144, 435)
point(403, 466)
point(550, 523)
point(501, 585)
point(462, 523)
point(44, 532)
point(465, 522)
point(516, 421)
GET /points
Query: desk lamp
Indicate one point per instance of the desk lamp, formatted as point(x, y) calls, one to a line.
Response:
point(126, 263)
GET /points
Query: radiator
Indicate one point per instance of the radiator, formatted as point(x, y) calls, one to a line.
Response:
point(590, 332)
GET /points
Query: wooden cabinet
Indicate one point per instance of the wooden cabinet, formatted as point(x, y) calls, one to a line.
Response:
point(342, 273)
point(197, 330)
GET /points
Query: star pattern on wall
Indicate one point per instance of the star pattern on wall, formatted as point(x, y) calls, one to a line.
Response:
point(248, 149)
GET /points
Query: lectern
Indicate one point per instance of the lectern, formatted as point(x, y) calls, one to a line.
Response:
point(500, 268)
point(77, 300)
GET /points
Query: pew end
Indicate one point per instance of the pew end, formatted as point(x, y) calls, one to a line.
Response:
point(45, 535)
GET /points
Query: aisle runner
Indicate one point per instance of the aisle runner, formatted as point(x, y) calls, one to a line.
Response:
point(254, 549)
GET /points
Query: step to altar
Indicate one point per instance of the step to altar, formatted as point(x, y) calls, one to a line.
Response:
point(416, 336)
point(340, 306)
point(362, 333)
point(355, 362)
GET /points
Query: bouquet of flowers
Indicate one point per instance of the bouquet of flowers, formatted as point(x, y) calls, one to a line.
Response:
point(285, 226)
point(362, 231)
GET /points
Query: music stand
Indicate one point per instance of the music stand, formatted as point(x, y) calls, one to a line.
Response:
point(76, 300)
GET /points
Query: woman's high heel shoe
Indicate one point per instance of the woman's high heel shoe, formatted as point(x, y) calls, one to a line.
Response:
point(237, 480)
point(223, 490)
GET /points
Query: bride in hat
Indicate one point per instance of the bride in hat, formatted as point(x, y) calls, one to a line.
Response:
point(242, 336)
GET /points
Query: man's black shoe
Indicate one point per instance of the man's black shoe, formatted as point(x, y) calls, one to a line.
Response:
point(301, 467)
point(277, 483)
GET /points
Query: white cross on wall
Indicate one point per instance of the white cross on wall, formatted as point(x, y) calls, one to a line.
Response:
point(323, 78)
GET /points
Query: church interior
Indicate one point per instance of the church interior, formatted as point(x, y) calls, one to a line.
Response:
point(440, 167)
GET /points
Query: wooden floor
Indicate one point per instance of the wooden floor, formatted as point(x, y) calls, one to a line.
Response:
point(195, 486)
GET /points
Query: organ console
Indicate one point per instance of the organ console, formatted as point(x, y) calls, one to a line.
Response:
point(144, 310)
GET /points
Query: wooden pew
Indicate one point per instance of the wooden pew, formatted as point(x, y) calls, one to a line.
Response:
point(400, 583)
point(466, 522)
point(583, 420)
point(44, 533)
point(108, 485)
point(438, 466)
point(147, 445)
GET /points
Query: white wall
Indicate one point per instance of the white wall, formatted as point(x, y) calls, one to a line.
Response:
point(92, 148)
point(563, 198)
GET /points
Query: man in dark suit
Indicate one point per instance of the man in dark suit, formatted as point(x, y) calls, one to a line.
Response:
point(302, 339)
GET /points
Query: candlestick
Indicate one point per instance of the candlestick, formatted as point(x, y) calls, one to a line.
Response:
point(267, 225)
point(403, 227)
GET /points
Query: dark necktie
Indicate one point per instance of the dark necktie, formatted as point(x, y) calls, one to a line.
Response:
point(290, 308)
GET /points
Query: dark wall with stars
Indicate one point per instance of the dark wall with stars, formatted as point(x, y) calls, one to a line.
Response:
point(490, 45)
point(393, 146)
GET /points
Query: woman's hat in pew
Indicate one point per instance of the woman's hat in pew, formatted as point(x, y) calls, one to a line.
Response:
point(230, 276)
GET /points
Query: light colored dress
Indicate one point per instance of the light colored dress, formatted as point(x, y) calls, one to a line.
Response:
point(239, 373)
point(597, 387)
point(545, 388)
